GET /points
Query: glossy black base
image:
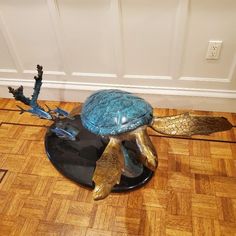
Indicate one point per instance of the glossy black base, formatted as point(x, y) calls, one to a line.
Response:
point(77, 159)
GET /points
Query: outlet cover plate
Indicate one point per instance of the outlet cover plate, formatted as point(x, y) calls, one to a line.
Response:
point(213, 50)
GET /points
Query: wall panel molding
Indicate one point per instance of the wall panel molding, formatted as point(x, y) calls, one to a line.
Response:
point(179, 37)
point(45, 72)
point(10, 44)
point(56, 24)
point(166, 97)
point(98, 75)
point(205, 79)
point(154, 77)
point(232, 72)
point(117, 32)
point(92, 54)
point(8, 71)
point(131, 88)
point(229, 79)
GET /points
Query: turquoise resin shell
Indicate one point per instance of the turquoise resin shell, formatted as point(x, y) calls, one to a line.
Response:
point(111, 112)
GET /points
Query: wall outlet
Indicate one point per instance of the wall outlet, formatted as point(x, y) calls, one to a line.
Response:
point(213, 50)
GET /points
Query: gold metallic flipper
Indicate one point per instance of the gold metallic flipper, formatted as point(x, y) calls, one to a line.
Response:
point(188, 125)
point(108, 169)
point(109, 166)
point(147, 150)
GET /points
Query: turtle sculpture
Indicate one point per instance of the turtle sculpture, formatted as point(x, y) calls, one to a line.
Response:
point(123, 116)
point(118, 116)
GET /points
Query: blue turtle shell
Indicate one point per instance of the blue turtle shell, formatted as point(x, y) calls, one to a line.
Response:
point(112, 112)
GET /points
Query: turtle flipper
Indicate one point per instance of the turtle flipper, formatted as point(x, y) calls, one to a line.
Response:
point(108, 169)
point(188, 125)
point(148, 152)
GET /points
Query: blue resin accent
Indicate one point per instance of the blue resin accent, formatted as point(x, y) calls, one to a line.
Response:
point(36, 111)
point(65, 131)
point(61, 112)
point(111, 112)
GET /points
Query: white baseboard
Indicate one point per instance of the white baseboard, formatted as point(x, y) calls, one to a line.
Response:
point(163, 97)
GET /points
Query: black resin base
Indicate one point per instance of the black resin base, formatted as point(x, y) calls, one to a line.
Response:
point(77, 159)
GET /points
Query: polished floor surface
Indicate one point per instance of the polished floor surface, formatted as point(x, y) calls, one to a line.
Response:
point(193, 191)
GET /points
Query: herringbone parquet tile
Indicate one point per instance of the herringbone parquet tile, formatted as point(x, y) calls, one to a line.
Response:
point(193, 191)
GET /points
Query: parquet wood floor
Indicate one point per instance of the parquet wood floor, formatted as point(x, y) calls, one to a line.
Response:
point(193, 191)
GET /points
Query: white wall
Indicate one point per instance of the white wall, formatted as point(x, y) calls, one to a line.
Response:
point(154, 48)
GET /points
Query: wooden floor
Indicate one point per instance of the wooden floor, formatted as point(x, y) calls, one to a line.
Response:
point(193, 191)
